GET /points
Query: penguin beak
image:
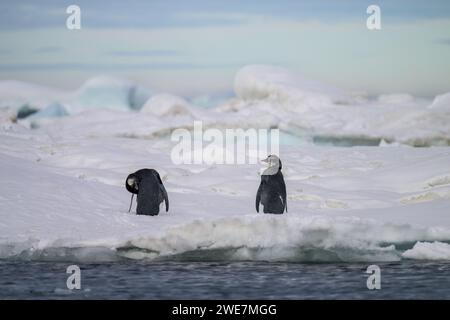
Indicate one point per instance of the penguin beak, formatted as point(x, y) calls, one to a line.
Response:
point(264, 165)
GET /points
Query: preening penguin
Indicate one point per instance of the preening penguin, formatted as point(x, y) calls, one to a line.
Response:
point(272, 189)
point(148, 186)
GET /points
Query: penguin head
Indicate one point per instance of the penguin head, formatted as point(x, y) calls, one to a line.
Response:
point(132, 184)
point(273, 165)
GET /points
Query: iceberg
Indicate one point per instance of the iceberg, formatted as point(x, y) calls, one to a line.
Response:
point(209, 101)
point(256, 82)
point(441, 102)
point(25, 111)
point(45, 115)
point(16, 94)
point(63, 194)
point(163, 105)
point(98, 92)
point(111, 93)
point(54, 110)
point(429, 251)
point(265, 96)
point(64, 198)
point(322, 114)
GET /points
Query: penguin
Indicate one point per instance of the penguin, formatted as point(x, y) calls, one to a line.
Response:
point(148, 186)
point(272, 189)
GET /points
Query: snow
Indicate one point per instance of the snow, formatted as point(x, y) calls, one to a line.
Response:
point(255, 82)
point(209, 101)
point(318, 112)
point(109, 92)
point(98, 92)
point(15, 94)
point(164, 104)
point(63, 195)
point(429, 251)
point(441, 101)
point(46, 115)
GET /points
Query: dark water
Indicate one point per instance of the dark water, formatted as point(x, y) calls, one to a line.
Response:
point(231, 280)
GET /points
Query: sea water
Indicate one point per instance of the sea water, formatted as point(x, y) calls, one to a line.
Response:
point(224, 280)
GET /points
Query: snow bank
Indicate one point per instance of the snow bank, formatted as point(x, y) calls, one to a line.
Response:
point(99, 92)
point(166, 105)
point(108, 92)
point(62, 193)
point(209, 101)
point(7, 115)
point(266, 96)
point(256, 82)
point(45, 116)
point(429, 251)
point(63, 199)
point(15, 94)
point(398, 99)
point(322, 114)
point(281, 238)
point(441, 102)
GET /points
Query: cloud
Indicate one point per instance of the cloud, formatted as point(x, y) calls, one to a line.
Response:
point(117, 14)
point(49, 49)
point(112, 66)
point(444, 41)
point(143, 53)
point(27, 14)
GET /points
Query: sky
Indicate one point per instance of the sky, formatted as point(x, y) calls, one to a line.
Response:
point(196, 47)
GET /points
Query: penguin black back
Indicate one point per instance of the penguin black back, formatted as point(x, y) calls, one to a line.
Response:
point(150, 190)
point(272, 189)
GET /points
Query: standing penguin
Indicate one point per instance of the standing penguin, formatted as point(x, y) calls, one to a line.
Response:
point(272, 189)
point(148, 186)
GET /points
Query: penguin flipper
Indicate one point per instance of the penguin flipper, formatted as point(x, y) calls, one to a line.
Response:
point(285, 203)
point(131, 202)
point(258, 198)
point(166, 198)
point(283, 195)
point(163, 190)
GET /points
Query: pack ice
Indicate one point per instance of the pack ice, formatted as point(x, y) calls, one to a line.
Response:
point(63, 168)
